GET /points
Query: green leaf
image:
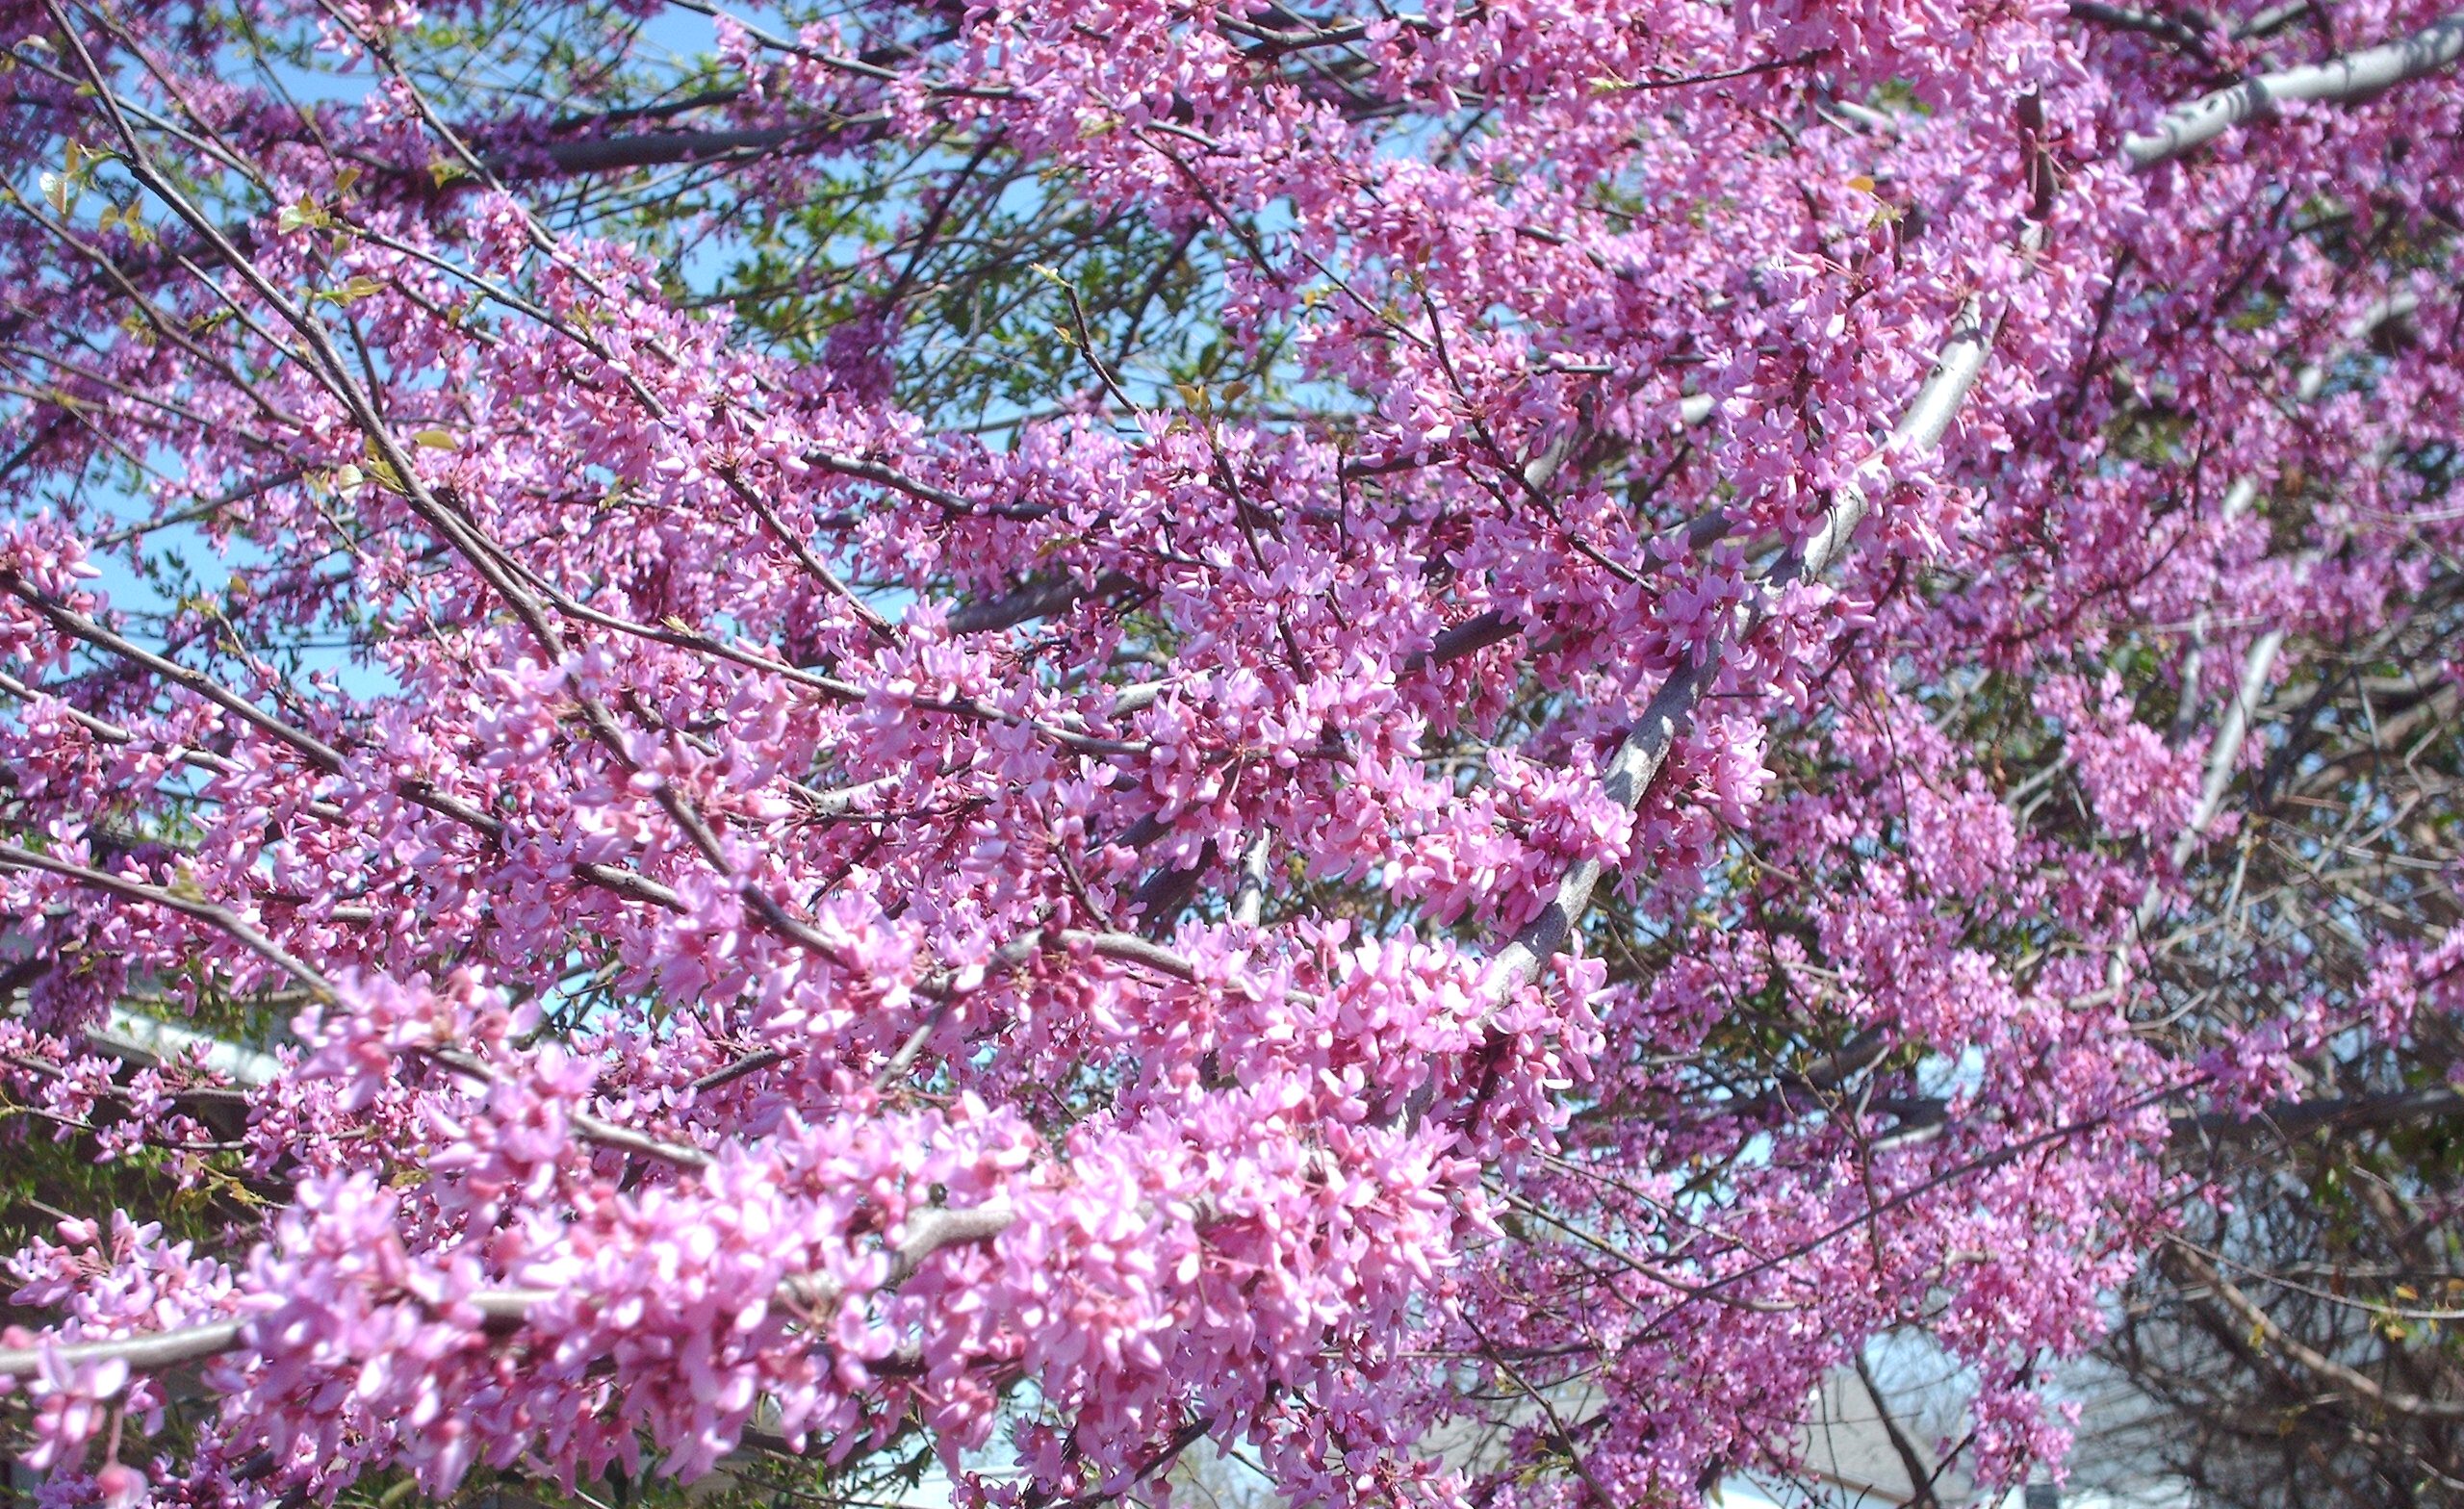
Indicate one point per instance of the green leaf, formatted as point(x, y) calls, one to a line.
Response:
point(356, 289)
point(306, 214)
point(384, 475)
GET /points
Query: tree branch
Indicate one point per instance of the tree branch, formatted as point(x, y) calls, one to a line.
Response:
point(2181, 34)
point(231, 922)
point(1034, 600)
point(928, 1232)
point(655, 148)
point(2354, 76)
point(2356, 1383)
point(2294, 1118)
point(1638, 761)
point(1920, 1477)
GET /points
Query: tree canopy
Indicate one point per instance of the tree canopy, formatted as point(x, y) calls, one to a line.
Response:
point(1019, 733)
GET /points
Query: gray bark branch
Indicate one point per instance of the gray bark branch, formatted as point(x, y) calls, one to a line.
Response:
point(503, 1311)
point(2354, 76)
point(1639, 758)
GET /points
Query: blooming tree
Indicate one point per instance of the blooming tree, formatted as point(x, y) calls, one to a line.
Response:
point(1085, 725)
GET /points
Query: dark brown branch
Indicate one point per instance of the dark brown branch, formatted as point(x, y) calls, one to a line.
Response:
point(197, 908)
point(656, 148)
point(2361, 1386)
point(1031, 600)
point(1920, 1477)
point(2297, 1118)
point(2180, 34)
